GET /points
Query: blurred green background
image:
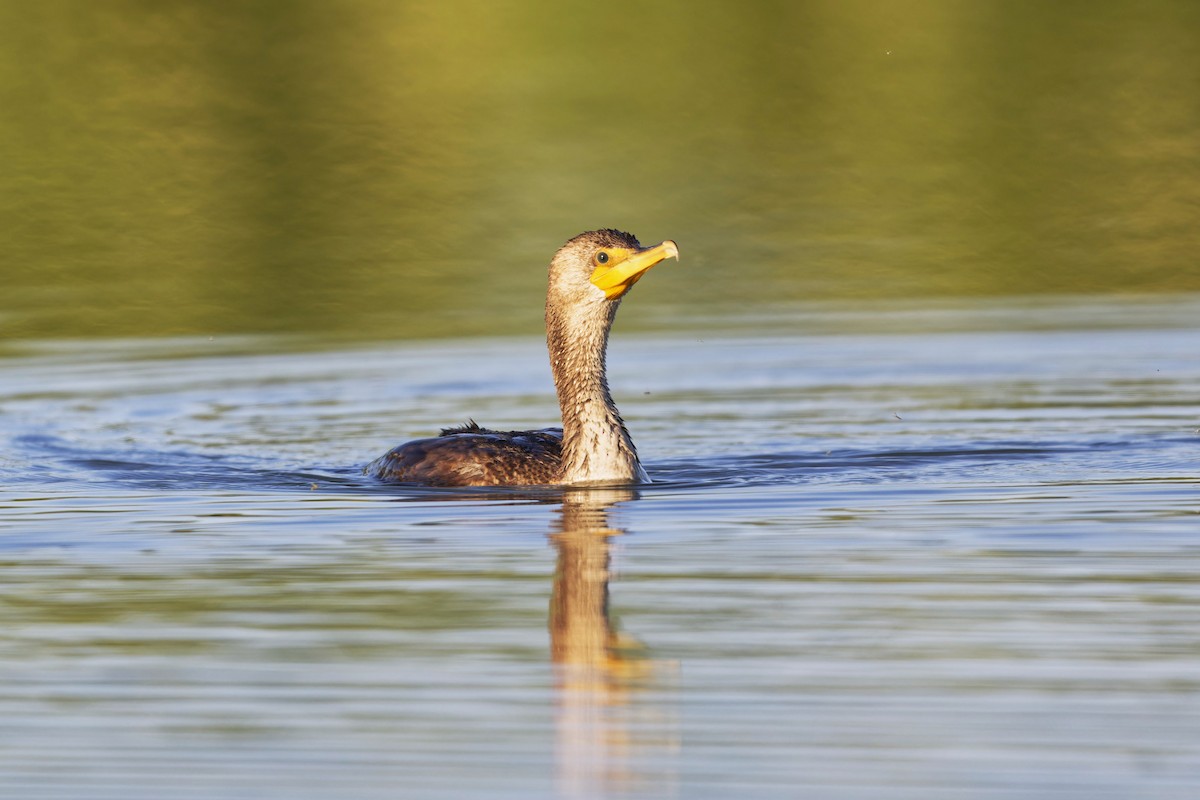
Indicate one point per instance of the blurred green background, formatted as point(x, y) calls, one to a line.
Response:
point(379, 169)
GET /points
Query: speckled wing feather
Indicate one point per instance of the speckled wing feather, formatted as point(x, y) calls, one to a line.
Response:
point(473, 456)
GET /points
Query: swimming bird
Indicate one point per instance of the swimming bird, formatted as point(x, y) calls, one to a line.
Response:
point(588, 277)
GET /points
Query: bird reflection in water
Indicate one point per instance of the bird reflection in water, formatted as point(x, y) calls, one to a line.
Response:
point(610, 734)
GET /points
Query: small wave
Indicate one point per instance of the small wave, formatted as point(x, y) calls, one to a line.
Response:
point(55, 460)
point(855, 465)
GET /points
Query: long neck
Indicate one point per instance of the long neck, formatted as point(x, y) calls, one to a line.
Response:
point(596, 445)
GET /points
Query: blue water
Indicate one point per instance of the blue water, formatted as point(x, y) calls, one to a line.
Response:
point(925, 553)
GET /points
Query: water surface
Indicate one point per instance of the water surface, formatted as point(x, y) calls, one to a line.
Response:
point(938, 552)
point(379, 168)
point(920, 400)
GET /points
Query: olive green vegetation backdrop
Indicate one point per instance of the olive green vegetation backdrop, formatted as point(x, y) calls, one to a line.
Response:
point(376, 169)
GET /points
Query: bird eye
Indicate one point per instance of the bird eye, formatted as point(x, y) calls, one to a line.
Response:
point(602, 257)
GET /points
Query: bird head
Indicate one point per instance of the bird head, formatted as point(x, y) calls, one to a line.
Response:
point(599, 267)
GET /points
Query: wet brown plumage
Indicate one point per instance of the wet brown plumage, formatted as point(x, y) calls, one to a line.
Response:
point(588, 277)
point(469, 455)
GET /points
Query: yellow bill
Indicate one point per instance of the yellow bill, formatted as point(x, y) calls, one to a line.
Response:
point(623, 267)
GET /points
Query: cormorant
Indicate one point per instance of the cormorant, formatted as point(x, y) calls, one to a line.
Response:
point(588, 277)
